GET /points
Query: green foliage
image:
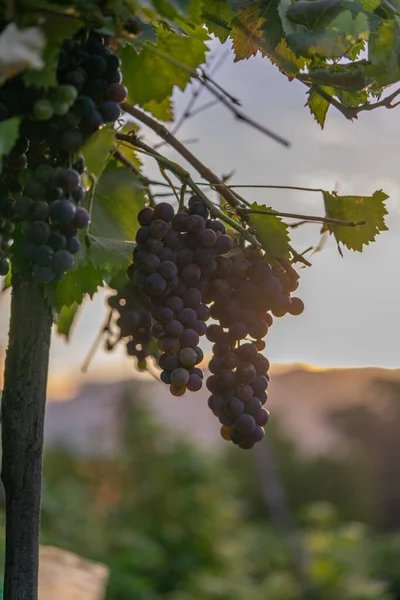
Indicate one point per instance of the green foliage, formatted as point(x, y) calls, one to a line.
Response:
point(357, 208)
point(172, 522)
point(66, 319)
point(150, 76)
point(271, 231)
point(9, 131)
point(97, 150)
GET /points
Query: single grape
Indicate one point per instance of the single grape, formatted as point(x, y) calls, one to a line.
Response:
point(179, 377)
point(179, 221)
point(164, 211)
point(245, 424)
point(224, 244)
point(216, 403)
point(4, 267)
point(155, 284)
point(262, 417)
point(63, 261)
point(234, 407)
point(43, 274)
point(296, 306)
point(174, 328)
point(110, 111)
point(44, 255)
point(168, 269)
point(207, 238)
point(158, 228)
point(117, 93)
point(253, 407)
point(171, 345)
point(191, 273)
point(175, 303)
point(195, 224)
point(177, 391)
point(62, 211)
point(188, 357)
point(189, 338)
point(43, 110)
point(195, 383)
point(37, 232)
point(244, 392)
point(199, 208)
point(82, 218)
point(187, 316)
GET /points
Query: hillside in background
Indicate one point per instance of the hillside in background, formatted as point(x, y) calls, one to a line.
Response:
point(300, 400)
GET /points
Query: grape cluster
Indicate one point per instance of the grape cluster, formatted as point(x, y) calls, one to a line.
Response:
point(188, 269)
point(41, 185)
point(134, 322)
point(173, 259)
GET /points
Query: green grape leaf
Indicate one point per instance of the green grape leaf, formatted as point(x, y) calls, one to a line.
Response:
point(9, 132)
point(370, 209)
point(248, 33)
point(217, 16)
point(56, 29)
point(383, 52)
point(7, 280)
point(150, 77)
point(318, 105)
point(271, 231)
point(313, 13)
point(109, 255)
point(118, 198)
point(334, 40)
point(160, 110)
point(97, 149)
point(66, 319)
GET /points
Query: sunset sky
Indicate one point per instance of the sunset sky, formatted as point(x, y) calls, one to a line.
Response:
point(352, 315)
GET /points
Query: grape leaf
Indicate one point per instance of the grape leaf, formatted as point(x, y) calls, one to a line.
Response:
point(271, 231)
point(312, 14)
point(217, 15)
point(56, 29)
point(248, 33)
point(318, 105)
point(6, 283)
point(110, 255)
point(372, 209)
point(160, 110)
point(118, 198)
point(9, 132)
point(96, 150)
point(150, 77)
point(77, 283)
point(66, 319)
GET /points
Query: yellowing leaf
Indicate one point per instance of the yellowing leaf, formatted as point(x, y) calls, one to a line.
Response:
point(271, 231)
point(9, 131)
point(96, 151)
point(247, 33)
point(370, 209)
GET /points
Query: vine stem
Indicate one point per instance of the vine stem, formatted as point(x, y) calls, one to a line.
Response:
point(311, 218)
point(185, 178)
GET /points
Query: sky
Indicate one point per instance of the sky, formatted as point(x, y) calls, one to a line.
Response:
point(352, 315)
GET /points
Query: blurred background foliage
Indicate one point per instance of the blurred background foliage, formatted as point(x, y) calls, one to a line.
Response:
point(173, 521)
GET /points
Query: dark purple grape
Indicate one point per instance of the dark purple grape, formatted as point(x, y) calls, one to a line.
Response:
point(174, 328)
point(70, 141)
point(43, 274)
point(216, 226)
point(166, 254)
point(155, 284)
point(187, 316)
point(296, 307)
point(145, 216)
point(37, 232)
point(191, 273)
point(173, 240)
point(231, 360)
point(171, 362)
point(147, 263)
point(224, 244)
point(168, 269)
point(245, 373)
point(188, 357)
point(117, 93)
point(262, 417)
point(43, 256)
point(253, 407)
point(171, 345)
point(216, 403)
point(157, 330)
point(175, 303)
point(158, 228)
point(82, 218)
point(195, 224)
point(203, 312)
point(62, 211)
point(207, 238)
point(67, 179)
point(57, 241)
point(39, 211)
point(247, 352)
point(245, 424)
point(63, 261)
point(199, 208)
point(234, 407)
point(238, 331)
point(142, 235)
point(192, 298)
point(179, 377)
point(244, 392)
point(214, 333)
point(200, 327)
point(189, 338)
point(164, 211)
point(78, 193)
point(226, 379)
point(165, 377)
point(261, 364)
point(110, 111)
point(153, 245)
point(259, 385)
point(195, 383)
point(179, 221)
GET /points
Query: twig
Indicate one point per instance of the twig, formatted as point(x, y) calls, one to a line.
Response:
point(299, 257)
point(181, 149)
point(222, 97)
point(304, 217)
point(168, 180)
point(94, 347)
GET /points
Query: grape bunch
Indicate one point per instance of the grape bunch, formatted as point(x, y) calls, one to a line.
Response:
point(134, 322)
point(189, 271)
point(41, 185)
